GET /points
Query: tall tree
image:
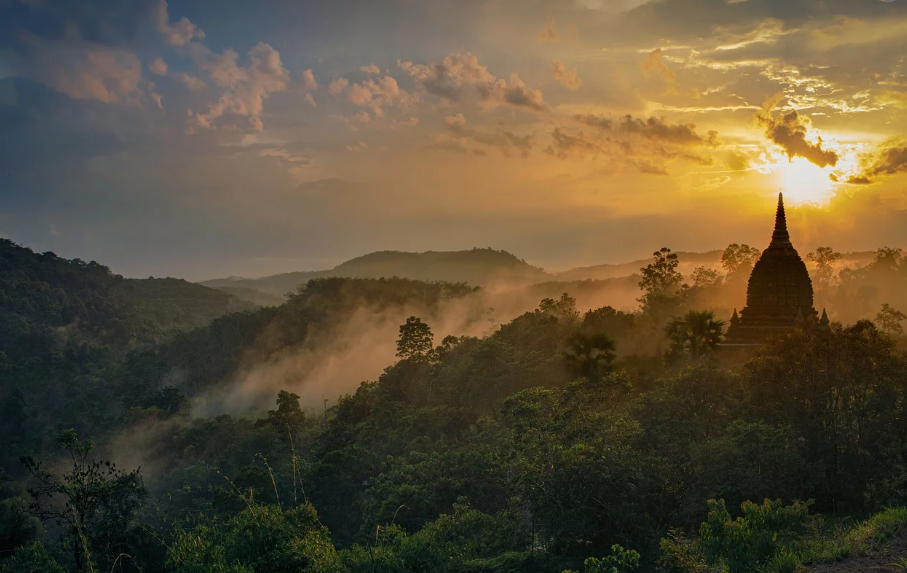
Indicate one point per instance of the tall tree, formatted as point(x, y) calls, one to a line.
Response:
point(415, 340)
point(738, 260)
point(94, 500)
point(825, 259)
point(662, 284)
point(890, 319)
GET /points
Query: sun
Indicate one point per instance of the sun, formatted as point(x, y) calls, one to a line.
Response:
point(803, 181)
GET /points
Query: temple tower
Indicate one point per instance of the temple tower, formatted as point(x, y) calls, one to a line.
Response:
point(779, 295)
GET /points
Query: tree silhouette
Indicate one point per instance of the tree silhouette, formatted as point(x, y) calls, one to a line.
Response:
point(738, 260)
point(825, 259)
point(95, 500)
point(415, 340)
point(696, 332)
point(589, 355)
point(890, 319)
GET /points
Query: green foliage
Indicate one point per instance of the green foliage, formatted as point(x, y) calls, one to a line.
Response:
point(695, 333)
point(94, 500)
point(463, 541)
point(754, 539)
point(620, 561)
point(258, 539)
point(31, 558)
point(589, 355)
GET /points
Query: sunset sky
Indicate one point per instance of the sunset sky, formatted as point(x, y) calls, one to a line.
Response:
point(208, 138)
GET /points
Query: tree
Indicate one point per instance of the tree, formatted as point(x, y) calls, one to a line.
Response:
point(589, 355)
point(261, 538)
point(94, 500)
point(889, 320)
point(415, 340)
point(288, 412)
point(696, 332)
point(738, 261)
point(565, 307)
point(705, 278)
point(662, 284)
point(825, 259)
point(661, 275)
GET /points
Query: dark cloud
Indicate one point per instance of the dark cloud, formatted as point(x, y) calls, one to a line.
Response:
point(889, 159)
point(632, 141)
point(505, 141)
point(653, 128)
point(789, 130)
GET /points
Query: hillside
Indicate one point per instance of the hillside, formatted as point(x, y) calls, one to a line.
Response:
point(42, 294)
point(476, 267)
point(608, 271)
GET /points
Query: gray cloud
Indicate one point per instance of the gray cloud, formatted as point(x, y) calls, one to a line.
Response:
point(452, 77)
point(889, 159)
point(789, 131)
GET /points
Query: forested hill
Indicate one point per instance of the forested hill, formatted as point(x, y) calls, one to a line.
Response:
point(44, 297)
point(476, 267)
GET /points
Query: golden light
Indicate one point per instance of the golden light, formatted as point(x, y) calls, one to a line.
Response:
point(803, 181)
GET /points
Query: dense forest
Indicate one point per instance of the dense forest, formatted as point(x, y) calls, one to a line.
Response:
point(563, 439)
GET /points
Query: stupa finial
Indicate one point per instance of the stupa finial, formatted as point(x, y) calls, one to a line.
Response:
point(780, 236)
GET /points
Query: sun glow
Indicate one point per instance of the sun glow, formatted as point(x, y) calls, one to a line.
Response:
point(805, 182)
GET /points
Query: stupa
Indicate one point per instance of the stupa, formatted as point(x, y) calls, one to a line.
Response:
point(779, 294)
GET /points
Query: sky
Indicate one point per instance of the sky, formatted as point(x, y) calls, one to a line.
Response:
point(209, 138)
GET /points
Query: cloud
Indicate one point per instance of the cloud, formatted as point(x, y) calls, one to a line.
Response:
point(158, 67)
point(372, 69)
point(82, 70)
point(654, 64)
point(245, 88)
point(338, 85)
point(308, 80)
point(451, 77)
point(633, 142)
point(192, 82)
point(654, 129)
point(548, 33)
point(457, 74)
point(460, 136)
point(379, 94)
point(310, 99)
point(789, 131)
point(179, 33)
point(889, 159)
point(892, 97)
point(515, 92)
point(568, 77)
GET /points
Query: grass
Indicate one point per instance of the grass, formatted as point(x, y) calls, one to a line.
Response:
point(841, 542)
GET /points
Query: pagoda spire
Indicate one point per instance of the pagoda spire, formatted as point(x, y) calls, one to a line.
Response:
point(780, 237)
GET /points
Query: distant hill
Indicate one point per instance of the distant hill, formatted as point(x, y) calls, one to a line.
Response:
point(610, 271)
point(45, 299)
point(476, 267)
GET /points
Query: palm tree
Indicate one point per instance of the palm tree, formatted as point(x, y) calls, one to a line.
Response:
point(589, 355)
point(696, 332)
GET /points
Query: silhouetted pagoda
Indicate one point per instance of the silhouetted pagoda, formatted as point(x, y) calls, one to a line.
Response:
point(779, 295)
